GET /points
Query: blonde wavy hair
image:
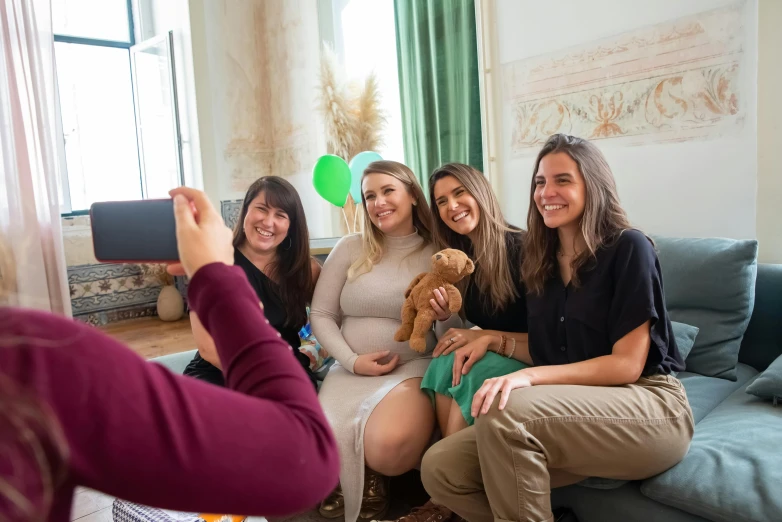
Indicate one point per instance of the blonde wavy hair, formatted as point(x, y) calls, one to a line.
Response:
point(372, 238)
point(37, 436)
point(7, 273)
point(493, 274)
point(37, 439)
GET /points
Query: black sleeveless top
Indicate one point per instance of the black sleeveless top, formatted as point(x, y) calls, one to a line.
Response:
point(268, 292)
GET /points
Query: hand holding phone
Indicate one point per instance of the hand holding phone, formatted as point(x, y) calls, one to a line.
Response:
point(185, 232)
point(202, 236)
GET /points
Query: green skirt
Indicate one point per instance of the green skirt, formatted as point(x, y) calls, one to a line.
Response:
point(439, 378)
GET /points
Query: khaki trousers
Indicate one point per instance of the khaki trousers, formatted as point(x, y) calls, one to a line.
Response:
point(504, 467)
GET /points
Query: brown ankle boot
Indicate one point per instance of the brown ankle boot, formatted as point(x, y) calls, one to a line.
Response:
point(429, 512)
point(334, 505)
point(375, 502)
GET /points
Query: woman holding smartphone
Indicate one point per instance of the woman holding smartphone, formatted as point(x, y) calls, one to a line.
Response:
point(77, 408)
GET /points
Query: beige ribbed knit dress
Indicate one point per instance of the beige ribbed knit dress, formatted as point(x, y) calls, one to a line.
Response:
point(350, 318)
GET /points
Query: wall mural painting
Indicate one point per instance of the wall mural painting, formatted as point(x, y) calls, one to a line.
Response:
point(675, 81)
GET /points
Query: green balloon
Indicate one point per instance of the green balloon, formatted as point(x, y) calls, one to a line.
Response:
point(331, 179)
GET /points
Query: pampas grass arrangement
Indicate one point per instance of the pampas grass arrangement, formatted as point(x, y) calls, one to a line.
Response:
point(336, 107)
point(353, 118)
point(369, 119)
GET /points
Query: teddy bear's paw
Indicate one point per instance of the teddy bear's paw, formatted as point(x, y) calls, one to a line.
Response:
point(418, 344)
point(401, 335)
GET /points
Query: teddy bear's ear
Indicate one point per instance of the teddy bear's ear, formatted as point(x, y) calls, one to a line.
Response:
point(469, 266)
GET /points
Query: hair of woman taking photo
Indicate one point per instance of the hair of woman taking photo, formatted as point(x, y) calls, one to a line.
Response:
point(271, 244)
point(78, 408)
point(600, 398)
point(372, 396)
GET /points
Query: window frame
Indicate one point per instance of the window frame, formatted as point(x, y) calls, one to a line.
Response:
point(65, 206)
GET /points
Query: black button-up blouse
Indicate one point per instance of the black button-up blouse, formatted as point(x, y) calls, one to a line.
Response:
point(619, 291)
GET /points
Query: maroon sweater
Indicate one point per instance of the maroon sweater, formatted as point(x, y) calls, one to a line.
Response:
point(137, 431)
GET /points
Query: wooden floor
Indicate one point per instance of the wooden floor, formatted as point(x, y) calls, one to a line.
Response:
point(151, 337)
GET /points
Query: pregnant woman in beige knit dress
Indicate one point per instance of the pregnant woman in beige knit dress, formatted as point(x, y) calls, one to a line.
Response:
point(372, 395)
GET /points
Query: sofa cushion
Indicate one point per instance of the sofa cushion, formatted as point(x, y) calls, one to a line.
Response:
point(623, 504)
point(733, 470)
point(703, 393)
point(685, 335)
point(176, 362)
point(710, 283)
point(706, 393)
point(768, 385)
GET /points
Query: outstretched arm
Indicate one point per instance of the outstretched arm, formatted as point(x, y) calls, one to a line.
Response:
point(136, 431)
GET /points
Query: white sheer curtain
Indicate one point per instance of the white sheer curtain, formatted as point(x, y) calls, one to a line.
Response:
point(29, 208)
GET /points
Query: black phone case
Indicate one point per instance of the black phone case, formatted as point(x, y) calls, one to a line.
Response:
point(134, 231)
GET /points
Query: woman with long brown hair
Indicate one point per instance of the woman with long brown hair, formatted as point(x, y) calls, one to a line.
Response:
point(77, 408)
point(599, 399)
point(372, 396)
point(271, 244)
point(469, 218)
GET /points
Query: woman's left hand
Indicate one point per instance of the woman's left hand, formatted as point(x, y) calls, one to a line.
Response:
point(484, 397)
point(440, 304)
point(455, 338)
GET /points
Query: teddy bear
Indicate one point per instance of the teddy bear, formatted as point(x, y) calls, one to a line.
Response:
point(449, 266)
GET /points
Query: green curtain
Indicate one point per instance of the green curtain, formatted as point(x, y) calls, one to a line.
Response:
point(438, 83)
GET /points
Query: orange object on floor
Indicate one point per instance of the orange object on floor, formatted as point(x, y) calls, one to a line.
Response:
point(225, 518)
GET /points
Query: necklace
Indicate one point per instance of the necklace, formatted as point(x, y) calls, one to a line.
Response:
point(562, 254)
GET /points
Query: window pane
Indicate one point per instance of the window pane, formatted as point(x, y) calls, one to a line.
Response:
point(155, 117)
point(98, 19)
point(101, 151)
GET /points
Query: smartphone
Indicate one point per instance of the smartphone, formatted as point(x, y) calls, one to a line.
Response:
point(134, 231)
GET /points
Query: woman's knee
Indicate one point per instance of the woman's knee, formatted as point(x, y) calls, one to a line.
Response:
point(521, 407)
point(394, 451)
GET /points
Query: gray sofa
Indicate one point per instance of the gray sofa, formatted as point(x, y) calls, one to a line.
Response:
point(733, 471)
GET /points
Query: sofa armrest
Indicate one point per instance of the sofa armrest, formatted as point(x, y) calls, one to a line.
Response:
point(176, 362)
point(762, 342)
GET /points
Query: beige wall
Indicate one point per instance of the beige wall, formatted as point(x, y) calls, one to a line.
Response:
point(769, 216)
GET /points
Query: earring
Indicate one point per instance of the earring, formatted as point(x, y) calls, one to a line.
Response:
point(290, 243)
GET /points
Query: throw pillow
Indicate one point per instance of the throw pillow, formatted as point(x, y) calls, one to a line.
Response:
point(769, 384)
point(685, 335)
point(710, 283)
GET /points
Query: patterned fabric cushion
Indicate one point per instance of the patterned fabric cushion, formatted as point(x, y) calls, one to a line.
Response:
point(124, 511)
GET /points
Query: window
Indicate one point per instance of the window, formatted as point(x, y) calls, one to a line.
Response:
point(94, 50)
point(366, 42)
